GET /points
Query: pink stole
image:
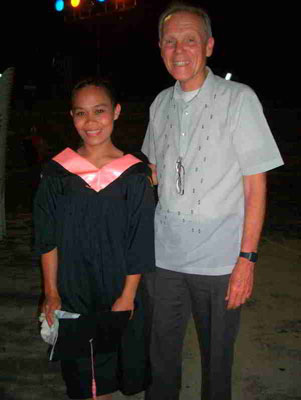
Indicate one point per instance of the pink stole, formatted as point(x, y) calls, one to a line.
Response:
point(96, 178)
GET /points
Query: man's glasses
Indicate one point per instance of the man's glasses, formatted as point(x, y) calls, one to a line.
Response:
point(180, 176)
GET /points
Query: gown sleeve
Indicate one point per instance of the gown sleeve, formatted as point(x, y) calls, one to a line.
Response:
point(140, 256)
point(44, 215)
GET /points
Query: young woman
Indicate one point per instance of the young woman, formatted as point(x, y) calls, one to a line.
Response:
point(93, 219)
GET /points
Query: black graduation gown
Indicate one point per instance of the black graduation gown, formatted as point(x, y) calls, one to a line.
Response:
point(101, 238)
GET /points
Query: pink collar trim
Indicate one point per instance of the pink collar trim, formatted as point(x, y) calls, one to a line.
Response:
point(96, 178)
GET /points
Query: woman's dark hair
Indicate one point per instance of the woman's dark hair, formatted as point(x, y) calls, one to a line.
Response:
point(98, 82)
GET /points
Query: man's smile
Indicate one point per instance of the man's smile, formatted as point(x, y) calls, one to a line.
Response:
point(181, 63)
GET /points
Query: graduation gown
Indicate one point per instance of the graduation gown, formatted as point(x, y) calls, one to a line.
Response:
point(101, 222)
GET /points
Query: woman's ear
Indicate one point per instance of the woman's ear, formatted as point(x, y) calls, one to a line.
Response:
point(117, 111)
point(71, 113)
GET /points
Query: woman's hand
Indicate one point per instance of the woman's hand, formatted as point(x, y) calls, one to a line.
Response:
point(52, 299)
point(50, 304)
point(153, 167)
point(124, 303)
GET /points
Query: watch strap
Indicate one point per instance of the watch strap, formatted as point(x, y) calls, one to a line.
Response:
point(253, 257)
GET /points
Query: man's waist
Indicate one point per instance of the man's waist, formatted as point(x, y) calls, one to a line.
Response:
point(195, 215)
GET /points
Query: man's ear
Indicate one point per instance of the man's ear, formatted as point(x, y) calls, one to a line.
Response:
point(210, 46)
point(117, 111)
point(71, 113)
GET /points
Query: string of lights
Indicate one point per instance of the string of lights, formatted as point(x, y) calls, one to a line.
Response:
point(80, 7)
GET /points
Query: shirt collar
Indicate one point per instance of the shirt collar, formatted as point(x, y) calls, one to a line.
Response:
point(205, 93)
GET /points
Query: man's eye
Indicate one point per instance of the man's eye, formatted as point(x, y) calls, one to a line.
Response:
point(99, 111)
point(169, 42)
point(191, 40)
point(79, 113)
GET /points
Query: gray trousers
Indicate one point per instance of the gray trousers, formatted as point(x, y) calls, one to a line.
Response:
point(173, 296)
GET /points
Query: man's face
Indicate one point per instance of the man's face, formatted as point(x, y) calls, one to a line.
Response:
point(184, 49)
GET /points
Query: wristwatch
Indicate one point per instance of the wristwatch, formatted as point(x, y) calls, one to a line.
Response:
point(253, 257)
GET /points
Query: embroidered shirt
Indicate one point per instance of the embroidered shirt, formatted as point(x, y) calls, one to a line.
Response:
point(221, 135)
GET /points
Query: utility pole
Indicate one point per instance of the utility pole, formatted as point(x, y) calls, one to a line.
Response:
point(6, 83)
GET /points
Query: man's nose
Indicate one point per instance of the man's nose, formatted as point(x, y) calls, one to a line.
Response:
point(179, 47)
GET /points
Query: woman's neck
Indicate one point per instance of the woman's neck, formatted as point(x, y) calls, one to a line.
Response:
point(100, 155)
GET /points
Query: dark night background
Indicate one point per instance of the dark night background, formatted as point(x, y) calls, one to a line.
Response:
point(255, 40)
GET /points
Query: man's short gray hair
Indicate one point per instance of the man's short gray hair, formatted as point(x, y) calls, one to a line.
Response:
point(178, 6)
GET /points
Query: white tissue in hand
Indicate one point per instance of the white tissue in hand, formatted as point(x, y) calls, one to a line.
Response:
point(49, 333)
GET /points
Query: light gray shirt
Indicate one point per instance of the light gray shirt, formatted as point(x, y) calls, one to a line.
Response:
point(221, 135)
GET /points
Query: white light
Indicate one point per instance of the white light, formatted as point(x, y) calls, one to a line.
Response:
point(228, 76)
point(0, 75)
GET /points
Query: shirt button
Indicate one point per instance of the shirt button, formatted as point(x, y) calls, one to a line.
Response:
point(183, 133)
point(186, 112)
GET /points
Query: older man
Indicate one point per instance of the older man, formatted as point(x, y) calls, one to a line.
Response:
point(211, 146)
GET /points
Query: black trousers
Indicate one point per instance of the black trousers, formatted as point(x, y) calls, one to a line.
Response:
point(173, 296)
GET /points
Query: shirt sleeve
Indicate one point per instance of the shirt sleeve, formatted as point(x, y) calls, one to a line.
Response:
point(140, 239)
point(253, 141)
point(44, 215)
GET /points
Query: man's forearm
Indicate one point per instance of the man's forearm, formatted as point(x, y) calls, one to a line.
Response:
point(242, 277)
point(255, 205)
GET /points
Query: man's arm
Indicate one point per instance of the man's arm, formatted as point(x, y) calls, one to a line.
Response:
point(52, 300)
point(242, 277)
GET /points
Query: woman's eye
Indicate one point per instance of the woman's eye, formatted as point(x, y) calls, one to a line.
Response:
point(99, 111)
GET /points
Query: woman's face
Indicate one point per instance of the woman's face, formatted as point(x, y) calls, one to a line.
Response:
point(94, 115)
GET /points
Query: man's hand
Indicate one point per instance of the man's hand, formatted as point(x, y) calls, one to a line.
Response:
point(153, 167)
point(124, 303)
point(242, 277)
point(50, 304)
point(240, 284)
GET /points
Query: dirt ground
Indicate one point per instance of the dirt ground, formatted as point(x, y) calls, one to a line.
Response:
point(268, 351)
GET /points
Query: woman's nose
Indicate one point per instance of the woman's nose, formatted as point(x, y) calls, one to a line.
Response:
point(90, 118)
